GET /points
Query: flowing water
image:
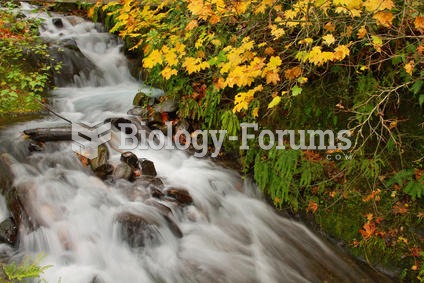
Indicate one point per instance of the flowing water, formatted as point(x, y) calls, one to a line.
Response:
point(229, 233)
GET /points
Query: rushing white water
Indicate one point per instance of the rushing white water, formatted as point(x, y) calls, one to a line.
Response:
point(229, 234)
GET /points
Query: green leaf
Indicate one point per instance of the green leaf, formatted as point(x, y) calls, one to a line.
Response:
point(275, 101)
point(296, 90)
point(416, 87)
point(421, 100)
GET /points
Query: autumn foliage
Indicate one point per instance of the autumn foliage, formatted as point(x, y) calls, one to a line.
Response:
point(329, 64)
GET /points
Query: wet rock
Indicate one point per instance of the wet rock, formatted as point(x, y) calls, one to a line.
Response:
point(173, 227)
point(150, 181)
point(147, 168)
point(103, 171)
point(8, 231)
point(182, 196)
point(167, 215)
point(70, 44)
point(74, 63)
point(123, 171)
point(156, 193)
point(102, 157)
point(136, 230)
point(139, 111)
point(57, 22)
point(122, 124)
point(73, 20)
point(35, 147)
point(155, 121)
point(168, 105)
point(143, 99)
point(131, 159)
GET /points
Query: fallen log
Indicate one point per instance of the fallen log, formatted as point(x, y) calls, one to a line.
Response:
point(63, 133)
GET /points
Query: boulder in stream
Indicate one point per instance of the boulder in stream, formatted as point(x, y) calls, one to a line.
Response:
point(123, 171)
point(147, 168)
point(8, 231)
point(182, 196)
point(136, 230)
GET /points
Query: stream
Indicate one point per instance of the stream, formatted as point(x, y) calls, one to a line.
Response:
point(227, 233)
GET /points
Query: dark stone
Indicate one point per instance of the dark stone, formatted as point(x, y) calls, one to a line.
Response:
point(131, 159)
point(57, 22)
point(74, 63)
point(148, 168)
point(139, 111)
point(103, 171)
point(173, 227)
point(169, 105)
point(155, 121)
point(123, 171)
point(182, 196)
point(70, 44)
point(139, 99)
point(117, 121)
point(136, 230)
point(164, 210)
point(8, 231)
point(156, 193)
point(35, 147)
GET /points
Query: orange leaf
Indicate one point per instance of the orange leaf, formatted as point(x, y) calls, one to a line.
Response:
point(419, 23)
point(293, 73)
point(362, 32)
point(312, 206)
point(384, 18)
point(330, 27)
point(368, 230)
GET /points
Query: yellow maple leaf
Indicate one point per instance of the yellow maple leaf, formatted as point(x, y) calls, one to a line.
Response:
point(362, 32)
point(419, 23)
point(377, 43)
point(317, 57)
point(409, 67)
point(168, 72)
point(277, 32)
point(306, 41)
point(194, 65)
point(378, 5)
point(170, 56)
point(154, 58)
point(340, 52)
point(242, 99)
point(274, 102)
point(383, 18)
point(274, 63)
point(328, 39)
point(255, 112)
point(349, 4)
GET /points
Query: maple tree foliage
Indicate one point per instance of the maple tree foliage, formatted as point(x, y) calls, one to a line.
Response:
point(273, 62)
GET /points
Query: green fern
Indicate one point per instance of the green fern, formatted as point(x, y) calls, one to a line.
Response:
point(26, 270)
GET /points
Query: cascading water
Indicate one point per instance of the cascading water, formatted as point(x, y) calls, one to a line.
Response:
point(228, 233)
